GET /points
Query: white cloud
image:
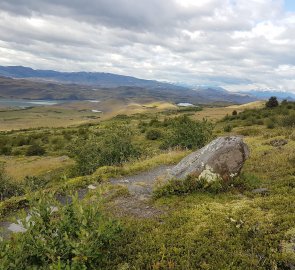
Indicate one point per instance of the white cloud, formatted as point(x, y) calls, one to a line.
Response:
point(237, 44)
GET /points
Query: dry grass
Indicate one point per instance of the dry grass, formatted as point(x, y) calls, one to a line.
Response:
point(76, 113)
point(72, 114)
point(219, 112)
point(252, 105)
point(19, 167)
point(43, 117)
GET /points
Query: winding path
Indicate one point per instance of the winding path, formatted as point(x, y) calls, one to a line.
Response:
point(137, 204)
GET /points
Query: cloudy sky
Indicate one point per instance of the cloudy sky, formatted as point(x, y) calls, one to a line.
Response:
point(237, 44)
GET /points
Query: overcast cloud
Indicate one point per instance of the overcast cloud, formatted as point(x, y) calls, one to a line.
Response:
point(237, 44)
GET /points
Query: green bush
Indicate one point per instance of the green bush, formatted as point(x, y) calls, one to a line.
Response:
point(186, 133)
point(5, 150)
point(289, 121)
point(74, 236)
point(245, 182)
point(113, 148)
point(153, 134)
point(154, 122)
point(21, 140)
point(227, 128)
point(269, 124)
point(188, 185)
point(35, 150)
point(272, 102)
point(35, 183)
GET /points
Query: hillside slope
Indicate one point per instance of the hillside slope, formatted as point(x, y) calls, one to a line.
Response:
point(32, 89)
point(113, 84)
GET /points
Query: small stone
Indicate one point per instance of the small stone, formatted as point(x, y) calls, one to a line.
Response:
point(53, 209)
point(13, 227)
point(91, 187)
point(278, 142)
point(262, 191)
point(125, 181)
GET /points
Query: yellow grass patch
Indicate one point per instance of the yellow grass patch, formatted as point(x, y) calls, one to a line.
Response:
point(19, 167)
point(251, 105)
point(219, 112)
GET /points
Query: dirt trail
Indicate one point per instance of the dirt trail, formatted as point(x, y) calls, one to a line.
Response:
point(137, 204)
point(140, 187)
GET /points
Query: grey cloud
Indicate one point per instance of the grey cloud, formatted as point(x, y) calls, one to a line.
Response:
point(132, 14)
point(217, 42)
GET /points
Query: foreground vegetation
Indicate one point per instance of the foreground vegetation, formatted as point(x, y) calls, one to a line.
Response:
point(248, 224)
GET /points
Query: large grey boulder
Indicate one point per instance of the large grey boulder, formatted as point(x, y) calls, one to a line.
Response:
point(222, 159)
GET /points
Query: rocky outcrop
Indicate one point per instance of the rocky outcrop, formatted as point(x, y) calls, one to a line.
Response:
point(222, 159)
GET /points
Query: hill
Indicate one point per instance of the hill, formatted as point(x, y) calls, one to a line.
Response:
point(127, 86)
point(46, 90)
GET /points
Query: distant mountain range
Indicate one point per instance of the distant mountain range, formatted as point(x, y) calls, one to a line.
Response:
point(25, 82)
point(266, 94)
point(101, 79)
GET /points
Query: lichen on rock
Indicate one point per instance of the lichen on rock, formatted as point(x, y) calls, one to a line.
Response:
point(209, 175)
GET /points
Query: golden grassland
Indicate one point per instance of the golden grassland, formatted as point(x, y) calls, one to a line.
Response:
point(44, 117)
point(218, 113)
point(77, 113)
point(73, 114)
point(18, 167)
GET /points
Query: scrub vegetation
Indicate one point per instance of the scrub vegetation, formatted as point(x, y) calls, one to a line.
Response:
point(246, 224)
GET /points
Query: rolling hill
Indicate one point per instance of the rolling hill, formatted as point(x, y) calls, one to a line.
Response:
point(24, 82)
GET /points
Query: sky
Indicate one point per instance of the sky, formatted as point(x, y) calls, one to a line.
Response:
point(235, 44)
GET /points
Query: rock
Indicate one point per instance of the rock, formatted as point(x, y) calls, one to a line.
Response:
point(278, 142)
point(91, 187)
point(16, 228)
point(222, 159)
point(262, 191)
point(64, 158)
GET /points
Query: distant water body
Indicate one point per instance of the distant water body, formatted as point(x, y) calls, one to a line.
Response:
point(184, 104)
point(25, 103)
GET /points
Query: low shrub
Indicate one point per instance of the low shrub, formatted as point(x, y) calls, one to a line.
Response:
point(289, 120)
point(5, 150)
point(245, 182)
point(269, 124)
point(74, 236)
point(188, 185)
point(153, 134)
point(113, 148)
point(227, 128)
point(155, 122)
point(186, 133)
point(272, 102)
point(34, 183)
point(35, 150)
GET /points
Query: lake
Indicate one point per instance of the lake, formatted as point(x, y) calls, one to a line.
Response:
point(25, 103)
